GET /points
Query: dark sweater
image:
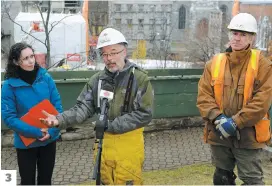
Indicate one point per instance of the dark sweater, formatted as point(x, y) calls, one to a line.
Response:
point(28, 76)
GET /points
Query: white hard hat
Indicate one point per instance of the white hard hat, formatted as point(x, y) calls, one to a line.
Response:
point(110, 36)
point(244, 22)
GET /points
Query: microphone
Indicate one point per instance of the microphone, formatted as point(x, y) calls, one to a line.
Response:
point(105, 95)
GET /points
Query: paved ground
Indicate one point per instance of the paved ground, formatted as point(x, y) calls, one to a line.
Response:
point(163, 150)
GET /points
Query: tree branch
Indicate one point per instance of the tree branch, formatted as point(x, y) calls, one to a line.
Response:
point(57, 22)
point(44, 23)
point(9, 17)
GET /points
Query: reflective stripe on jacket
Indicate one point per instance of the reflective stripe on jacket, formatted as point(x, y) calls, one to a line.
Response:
point(262, 128)
point(245, 116)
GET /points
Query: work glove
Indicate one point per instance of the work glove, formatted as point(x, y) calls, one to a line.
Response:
point(226, 126)
point(221, 116)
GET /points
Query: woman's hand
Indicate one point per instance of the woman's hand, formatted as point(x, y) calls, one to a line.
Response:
point(46, 135)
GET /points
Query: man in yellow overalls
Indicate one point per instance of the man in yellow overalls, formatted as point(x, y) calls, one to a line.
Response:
point(129, 110)
point(234, 97)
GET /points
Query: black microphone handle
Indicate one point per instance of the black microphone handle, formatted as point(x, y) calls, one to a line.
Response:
point(104, 106)
point(108, 87)
point(101, 125)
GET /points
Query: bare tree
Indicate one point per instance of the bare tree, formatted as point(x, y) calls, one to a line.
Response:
point(206, 40)
point(98, 20)
point(264, 34)
point(6, 8)
point(48, 26)
point(7, 28)
point(161, 38)
point(202, 49)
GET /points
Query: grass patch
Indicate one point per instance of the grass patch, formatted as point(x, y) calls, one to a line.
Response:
point(196, 174)
point(187, 175)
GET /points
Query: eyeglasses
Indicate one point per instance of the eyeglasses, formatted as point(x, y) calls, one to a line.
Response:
point(104, 55)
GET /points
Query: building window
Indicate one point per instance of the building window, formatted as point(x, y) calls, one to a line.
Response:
point(141, 24)
point(71, 3)
point(223, 8)
point(164, 21)
point(129, 22)
point(203, 28)
point(164, 8)
point(182, 17)
point(72, 11)
point(118, 22)
point(141, 8)
point(152, 24)
point(152, 35)
point(117, 7)
point(152, 8)
point(129, 7)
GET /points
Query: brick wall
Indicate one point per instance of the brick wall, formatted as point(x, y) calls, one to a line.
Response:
point(257, 10)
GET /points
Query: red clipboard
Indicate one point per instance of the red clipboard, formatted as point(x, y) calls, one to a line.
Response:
point(33, 118)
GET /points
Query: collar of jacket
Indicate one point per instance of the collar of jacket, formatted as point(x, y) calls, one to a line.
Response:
point(17, 82)
point(106, 73)
point(237, 57)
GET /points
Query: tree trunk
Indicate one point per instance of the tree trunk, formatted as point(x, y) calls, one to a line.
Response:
point(48, 55)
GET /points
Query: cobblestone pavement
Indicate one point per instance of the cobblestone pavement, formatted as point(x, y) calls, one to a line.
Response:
point(163, 150)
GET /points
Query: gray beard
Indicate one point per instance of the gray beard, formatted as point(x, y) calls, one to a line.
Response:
point(112, 70)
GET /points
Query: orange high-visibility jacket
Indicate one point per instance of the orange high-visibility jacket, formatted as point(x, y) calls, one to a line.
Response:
point(262, 128)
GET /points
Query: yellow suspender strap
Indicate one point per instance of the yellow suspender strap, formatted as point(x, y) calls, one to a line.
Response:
point(218, 70)
point(251, 74)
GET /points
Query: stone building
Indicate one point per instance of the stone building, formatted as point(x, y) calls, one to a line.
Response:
point(197, 22)
point(148, 22)
point(176, 30)
point(166, 29)
point(172, 29)
point(262, 11)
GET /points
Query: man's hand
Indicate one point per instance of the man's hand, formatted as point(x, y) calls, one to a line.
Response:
point(46, 135)
point(226, 127)
point(50, 121)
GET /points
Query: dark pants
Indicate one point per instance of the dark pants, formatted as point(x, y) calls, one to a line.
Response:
point(43, 157)
point(248, 161)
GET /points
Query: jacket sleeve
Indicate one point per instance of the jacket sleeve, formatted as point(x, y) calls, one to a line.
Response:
point(206, 103)
point(9, 115)
point(259, 105)
point(83, 109)
point(56, 101)
point(54, 132)
point(139, 117)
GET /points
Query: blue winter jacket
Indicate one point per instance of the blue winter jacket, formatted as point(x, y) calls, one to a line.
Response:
point(16, 100)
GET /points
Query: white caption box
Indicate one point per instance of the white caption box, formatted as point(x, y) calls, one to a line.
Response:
point(8, 178)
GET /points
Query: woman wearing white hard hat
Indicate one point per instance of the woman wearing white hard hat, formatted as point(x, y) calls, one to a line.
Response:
point(234, 97)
